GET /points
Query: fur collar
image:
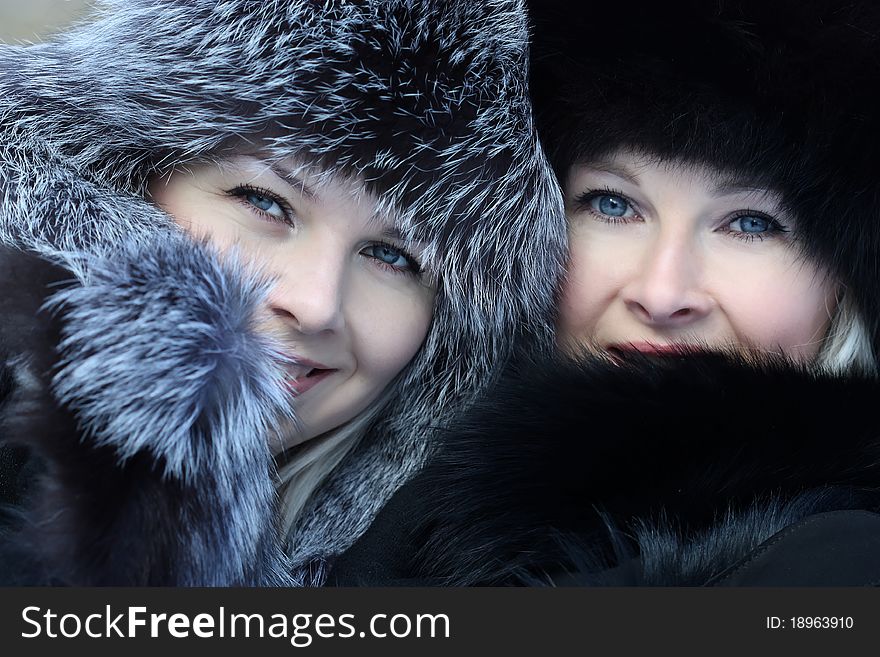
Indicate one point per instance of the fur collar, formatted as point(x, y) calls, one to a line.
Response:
point(689, 462)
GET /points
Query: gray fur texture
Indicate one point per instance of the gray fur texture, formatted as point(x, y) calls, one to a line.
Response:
point(424, 101)
point(146, 395)
point(158, 337)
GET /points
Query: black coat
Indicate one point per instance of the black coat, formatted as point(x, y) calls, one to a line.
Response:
point(681, 471)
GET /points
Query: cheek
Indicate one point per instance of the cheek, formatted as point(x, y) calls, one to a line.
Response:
point(190, 207)
point(202, 211)
point(387, 327)
point(788, 310)
point(384, 328)
point(592, 281)
point(215, 222)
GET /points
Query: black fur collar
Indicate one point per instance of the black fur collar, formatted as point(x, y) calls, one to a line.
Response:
point(688, 462)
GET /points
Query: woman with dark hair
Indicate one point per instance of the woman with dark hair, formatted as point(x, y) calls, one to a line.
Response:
point(709, 420)
point(254, 255)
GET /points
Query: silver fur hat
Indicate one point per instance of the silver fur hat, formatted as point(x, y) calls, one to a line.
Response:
point(425, 101)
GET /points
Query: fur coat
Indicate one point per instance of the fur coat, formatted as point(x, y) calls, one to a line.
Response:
point(695, 470)
point(134, 452)
point(679, 471)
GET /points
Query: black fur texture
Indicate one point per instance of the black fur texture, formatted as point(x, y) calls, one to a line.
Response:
point(686, 462)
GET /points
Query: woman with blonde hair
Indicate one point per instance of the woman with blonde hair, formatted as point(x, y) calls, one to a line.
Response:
point(255, 255)
point(709, 420)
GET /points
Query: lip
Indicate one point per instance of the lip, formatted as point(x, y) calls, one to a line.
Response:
point(301, 385)
point(304, 374)
point(652, 348)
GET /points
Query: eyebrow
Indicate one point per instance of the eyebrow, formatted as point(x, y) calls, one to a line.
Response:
point(607, 166)
point(725, 185)
point(391, 232)
point(293, 180)
point(729, 186)
point(387, 232)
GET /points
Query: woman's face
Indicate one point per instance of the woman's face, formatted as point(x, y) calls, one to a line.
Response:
point(665, 254)
point(350, 302)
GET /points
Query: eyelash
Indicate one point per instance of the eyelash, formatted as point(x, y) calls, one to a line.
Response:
point(415, 267)
point(241, 192)
point(582, 202)
point(774, 229)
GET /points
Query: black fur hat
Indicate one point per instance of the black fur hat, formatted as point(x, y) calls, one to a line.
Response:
point(784, 93)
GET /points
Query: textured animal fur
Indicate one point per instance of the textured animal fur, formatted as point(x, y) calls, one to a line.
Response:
point(152, 428)
point(687, 463)
point(423, 101)
point(780, 93)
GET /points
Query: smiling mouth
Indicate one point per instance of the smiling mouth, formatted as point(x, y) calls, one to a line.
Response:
point(299, 383)
point(302, 374)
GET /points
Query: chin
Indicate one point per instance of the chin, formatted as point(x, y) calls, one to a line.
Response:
point(286, 435)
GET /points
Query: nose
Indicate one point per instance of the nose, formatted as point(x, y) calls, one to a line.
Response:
point(667, 290)
point(308, 295)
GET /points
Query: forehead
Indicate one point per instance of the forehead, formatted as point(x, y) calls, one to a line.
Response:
point(322, 188)
point(644, 169)
point(314, 183)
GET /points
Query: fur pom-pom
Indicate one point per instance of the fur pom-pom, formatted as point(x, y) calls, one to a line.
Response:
point(152, 434)
point(160, 352)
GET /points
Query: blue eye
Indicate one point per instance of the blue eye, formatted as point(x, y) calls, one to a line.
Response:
point(752, 224)
point(755, 225)
point(613, 206)
point(389, 256)
point(266, 204)
point(263, 203)
point(607, 206)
